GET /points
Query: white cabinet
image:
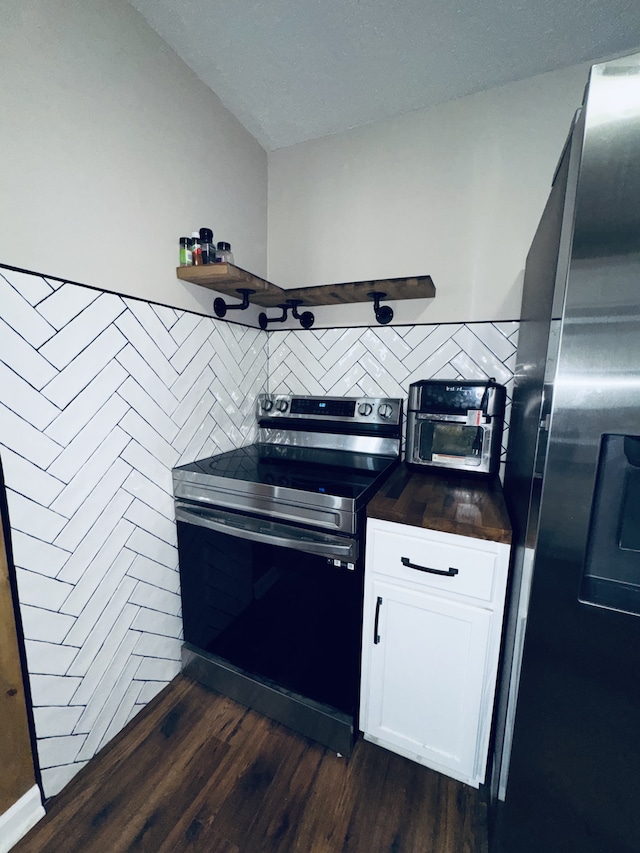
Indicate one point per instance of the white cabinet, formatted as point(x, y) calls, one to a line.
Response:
point(431, 638)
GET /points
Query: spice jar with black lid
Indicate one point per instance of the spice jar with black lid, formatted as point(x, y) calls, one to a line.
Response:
point(224, 255)
point(207, 246)
point(185, 252)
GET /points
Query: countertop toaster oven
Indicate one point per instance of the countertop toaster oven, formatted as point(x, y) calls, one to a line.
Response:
point(456, 425)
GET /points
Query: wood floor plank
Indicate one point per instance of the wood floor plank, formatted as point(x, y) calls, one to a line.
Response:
point(197, 773)
point(247, 796)
point(385, 816)
point(362, 814)
point(151, 815)
point(248, 737)
point(197, 834)
point(325, 818)
point(398, 811)
point(461, 817)
point(88, 792)
point(276, 825)
point(113, 798)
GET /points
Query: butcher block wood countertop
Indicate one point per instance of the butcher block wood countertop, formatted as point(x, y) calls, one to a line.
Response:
point(449, 502)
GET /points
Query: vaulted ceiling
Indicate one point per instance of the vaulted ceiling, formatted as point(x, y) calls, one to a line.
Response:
point(294, 70)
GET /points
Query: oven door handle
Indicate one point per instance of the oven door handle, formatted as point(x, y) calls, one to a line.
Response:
point(268, 532)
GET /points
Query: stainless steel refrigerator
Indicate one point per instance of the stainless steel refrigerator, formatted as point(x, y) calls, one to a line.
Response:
point(566, 774)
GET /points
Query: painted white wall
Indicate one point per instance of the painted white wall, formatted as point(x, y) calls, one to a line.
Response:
point(455, 192)
point(111, 149)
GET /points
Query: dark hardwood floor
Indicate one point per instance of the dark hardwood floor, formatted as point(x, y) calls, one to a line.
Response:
point(196, 772)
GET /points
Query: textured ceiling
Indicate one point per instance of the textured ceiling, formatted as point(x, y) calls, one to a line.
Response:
point(294, 70)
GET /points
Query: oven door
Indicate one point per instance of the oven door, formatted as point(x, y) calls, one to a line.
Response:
point(280, 602)
point(449, 444)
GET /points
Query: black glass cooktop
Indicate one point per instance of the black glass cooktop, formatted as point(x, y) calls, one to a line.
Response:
point(323, 471)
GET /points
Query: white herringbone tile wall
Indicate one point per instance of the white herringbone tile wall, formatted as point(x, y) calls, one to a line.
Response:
point(100, 397)
point(385, 360)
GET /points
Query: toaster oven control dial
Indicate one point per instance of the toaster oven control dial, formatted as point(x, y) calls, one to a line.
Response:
point(282, 405)
point(385, 410)
point(365, 409)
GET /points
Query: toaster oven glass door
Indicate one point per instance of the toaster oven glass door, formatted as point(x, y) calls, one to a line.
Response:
point(442, 442)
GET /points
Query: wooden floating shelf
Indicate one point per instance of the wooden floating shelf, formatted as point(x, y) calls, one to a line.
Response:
point(226, 279)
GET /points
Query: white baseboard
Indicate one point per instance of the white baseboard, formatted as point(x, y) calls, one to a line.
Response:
point(18, 820)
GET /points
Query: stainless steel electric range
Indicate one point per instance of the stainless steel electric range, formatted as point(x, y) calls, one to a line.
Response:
point(271, 549)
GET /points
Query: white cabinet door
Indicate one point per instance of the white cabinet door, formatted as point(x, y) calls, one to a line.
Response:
point(424, 676)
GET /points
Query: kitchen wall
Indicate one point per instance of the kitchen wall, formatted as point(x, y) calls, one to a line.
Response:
point(455, 192)
point(113, 149)
point(384, 361)
point(116, 149)
point(101, 396)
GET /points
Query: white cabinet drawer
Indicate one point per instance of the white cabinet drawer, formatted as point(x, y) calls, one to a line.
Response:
point(468, 567)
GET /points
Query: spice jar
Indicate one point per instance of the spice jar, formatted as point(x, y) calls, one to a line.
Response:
point(196, 249)
point(207, 245)
point(224, 255)
point(185, 252)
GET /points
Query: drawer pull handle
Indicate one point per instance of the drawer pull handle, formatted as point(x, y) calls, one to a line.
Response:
point(449, 573)
point(376, 636)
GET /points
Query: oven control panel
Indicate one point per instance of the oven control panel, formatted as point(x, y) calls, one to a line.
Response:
point(374, 410)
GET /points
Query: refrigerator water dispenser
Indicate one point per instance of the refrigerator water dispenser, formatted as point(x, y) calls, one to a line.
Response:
point(611, 575)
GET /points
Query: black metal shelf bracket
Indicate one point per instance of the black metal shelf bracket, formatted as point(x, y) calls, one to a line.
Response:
point(220, 306)
point(306, 318)
point(384, 314)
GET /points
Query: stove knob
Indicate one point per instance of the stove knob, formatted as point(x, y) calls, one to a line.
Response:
point(365, 409)
point(385, 410)
point(282, 405)
point(267, 404)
